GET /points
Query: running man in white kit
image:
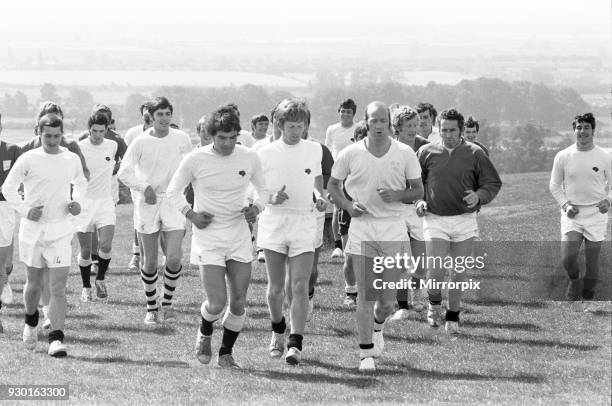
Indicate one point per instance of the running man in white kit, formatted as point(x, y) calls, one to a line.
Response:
point(98, 214)
point(221, 244)
point(292, 167)
point(148, 165)
point(580, 182)
point(381, 176)
point(47, 227)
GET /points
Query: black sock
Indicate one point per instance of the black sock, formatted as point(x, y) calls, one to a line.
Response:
point(403, 304)
point(295, 340)
point(338, 244)
point(366, 346)
point(32, 319)
point(311, 293)
point(102, 268)
point(452, 316)
point(86, 275)
point(56, 335)
point(279, 328)
point(435, 302)
point(0, 304)
point(352, 294)
point(228, 340)
point(95, 258)
point(415, 283)
point(206, 327)
point(379, 323)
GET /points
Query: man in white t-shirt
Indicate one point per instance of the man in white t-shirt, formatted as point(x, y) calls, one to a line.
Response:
point(580, 182)
point(148, 166)
point(47, 227)
point(427, 118)
point(98, 214)
point(337, 137)
point(287, 230)
point(381, 176)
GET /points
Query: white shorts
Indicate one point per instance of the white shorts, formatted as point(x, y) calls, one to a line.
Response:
point(450, 228)
point(46, 244)
point(414, 223)
point(217, 246)
point(95, 214)
point(8, 220)
point(291, 234)
point(320, 227)
point(161, 216)
point(377, 237)
point(589, 222)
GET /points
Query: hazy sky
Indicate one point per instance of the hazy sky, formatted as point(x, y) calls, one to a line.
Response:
point(284, 20)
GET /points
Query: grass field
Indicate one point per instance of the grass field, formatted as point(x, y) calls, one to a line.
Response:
point(508, 352)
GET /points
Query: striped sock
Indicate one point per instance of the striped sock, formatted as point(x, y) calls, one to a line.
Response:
point(170, 282)
point(150, 286)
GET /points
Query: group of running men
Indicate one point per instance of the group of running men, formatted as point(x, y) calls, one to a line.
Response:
point(398, 184)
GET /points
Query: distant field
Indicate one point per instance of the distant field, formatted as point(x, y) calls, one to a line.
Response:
point(509, 353)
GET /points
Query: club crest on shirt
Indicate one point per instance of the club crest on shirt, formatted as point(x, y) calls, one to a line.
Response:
point(596, 169)
point(242, 173)
point(307, 170)
point(107, 158)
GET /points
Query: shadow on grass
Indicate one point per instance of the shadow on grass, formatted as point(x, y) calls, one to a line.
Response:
point(498, 302)
point(264, 281)
point(505, 326)
point(93, 340)
point(128, 361)
point(69, 315)
point(358, 382)
point(467, 376)
point(162, 330)
point(530, 342)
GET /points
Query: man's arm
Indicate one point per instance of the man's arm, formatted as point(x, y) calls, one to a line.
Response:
point(127, 170)
point(556, 182)
point(489, 182)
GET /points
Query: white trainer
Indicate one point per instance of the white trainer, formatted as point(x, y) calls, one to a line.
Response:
point(310, 310)
point(451, 327)
point(30, 337)
point(400, 314)
point(57, 349)
point(337, 253)
point(367, 365)
point(134, 264)
point(152, 318)
point(101, 291)
point(379, 343)
point(203, 348)
point(433, 315)
point(350, 300)
point(86, 295)
point(417, 300)
point(294, 356)
point(277, 345)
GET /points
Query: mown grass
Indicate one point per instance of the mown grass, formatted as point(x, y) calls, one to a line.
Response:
point(508, 353)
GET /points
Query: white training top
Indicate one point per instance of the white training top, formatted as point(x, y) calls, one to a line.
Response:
point(581, 177)
point(219, 182)
point(46, 182)
point(337, 138)
point(294, 166)
point(152, 161)
point(435, 137)
point(365, 174)
point(246, 139)
point(132, 133)
point(100, 160)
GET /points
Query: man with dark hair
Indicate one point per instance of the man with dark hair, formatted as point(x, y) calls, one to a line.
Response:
point(580, 182)
point(221, 244)
point(149, 164)
point(259, 126)
point(427, 118)
point(381, 175)
point(98, 215)
point(337, 137)
point(8, 156)
point(471, 132)
point(46, 230)
point(459, 179)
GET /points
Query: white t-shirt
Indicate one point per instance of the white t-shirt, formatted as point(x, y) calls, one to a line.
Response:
point(246, 139)
point(152, 161)
point(365, 174)
point(435, 137)
point(295, 167)
point(100, 160)
point(337, 138)
point(132, 133)
point(219, 182)
point(46, 182)
point(581, 177)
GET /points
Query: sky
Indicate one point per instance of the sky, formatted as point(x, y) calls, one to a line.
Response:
point(439, 21)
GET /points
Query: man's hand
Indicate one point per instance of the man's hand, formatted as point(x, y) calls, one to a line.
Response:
point(279, 197)
point(200, 219)
point(149, 195)
point(321, 204)
point(603, 206)
point(86, 173)
point(388, 195)
point(74, 208)
point(570, 210)
point(35, 213)
point(421, 208)
point(471, 198)
point(357, 210)
point(250, 213)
